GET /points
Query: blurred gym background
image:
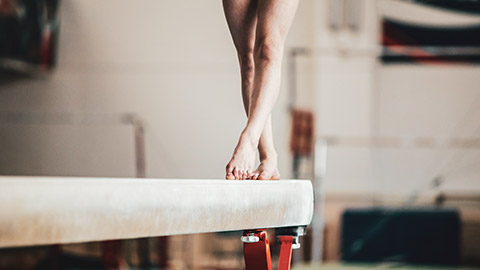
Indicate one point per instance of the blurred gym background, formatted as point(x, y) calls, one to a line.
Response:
point(379, 107)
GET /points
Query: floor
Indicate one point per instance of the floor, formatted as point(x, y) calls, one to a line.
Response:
point(396, 266)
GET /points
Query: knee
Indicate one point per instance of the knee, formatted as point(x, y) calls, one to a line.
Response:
point(247, 61)
point(268, 49)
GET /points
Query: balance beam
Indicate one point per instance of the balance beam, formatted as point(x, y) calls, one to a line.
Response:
point(58, 210)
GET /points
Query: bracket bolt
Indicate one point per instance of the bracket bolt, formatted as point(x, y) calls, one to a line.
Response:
point(250, 238)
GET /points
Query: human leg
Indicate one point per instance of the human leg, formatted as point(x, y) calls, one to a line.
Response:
point(274, 21)
point(241, 18)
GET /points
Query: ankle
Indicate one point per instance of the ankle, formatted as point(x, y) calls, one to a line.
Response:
point(247, 138)
point(268, 155)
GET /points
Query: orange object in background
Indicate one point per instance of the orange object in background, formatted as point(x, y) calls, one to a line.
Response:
point(301, 141)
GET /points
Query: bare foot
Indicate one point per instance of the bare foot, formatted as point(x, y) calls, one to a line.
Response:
point(267, 170)
point(241, 165)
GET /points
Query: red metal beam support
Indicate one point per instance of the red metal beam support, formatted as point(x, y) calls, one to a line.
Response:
point(256, 250)
point(286, 243)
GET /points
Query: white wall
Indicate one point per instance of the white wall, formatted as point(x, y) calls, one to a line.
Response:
point(171, 62)
point(355, 95)
point(433, 102)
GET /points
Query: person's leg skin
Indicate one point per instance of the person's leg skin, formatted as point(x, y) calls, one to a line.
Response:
point(242, 20)
point(268, 156)
point(274, 21)
point(241, 17)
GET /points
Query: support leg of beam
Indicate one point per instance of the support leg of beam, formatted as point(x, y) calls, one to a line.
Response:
point(286, 243)
point(256, 250)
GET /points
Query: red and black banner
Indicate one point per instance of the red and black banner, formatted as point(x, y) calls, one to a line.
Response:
point(405, 41)
point(464, 6)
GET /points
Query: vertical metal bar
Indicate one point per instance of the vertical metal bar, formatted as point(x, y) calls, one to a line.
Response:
point(143, 250)
point(292, 75)
point(320, 169)
point(140, 159)
point(292, 103)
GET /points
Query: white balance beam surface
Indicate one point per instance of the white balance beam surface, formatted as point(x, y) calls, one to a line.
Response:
point(48, 210)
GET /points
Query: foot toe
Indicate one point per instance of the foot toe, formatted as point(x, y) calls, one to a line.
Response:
point(241, 175)
point(229, 172)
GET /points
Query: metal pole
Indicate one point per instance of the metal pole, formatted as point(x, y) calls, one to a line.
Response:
point(140, 159)
point(320, 169)
point(143, 250)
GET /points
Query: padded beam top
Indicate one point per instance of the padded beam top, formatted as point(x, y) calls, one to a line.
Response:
point(48, 210)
